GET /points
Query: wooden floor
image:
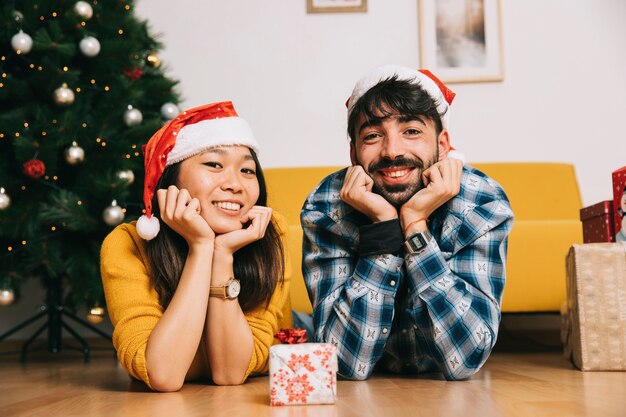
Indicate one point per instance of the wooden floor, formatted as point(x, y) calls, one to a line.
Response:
point(511, 384)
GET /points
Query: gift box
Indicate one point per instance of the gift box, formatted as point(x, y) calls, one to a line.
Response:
point(598, 222)
point(619, 204)
point(304, 373)
point(594, 319)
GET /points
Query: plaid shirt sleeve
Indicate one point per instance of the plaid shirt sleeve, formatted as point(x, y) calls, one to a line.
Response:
point(353, 298)
point(456, 289)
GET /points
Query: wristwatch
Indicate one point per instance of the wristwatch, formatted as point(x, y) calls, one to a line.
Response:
point(417, 241)
point(229, 291)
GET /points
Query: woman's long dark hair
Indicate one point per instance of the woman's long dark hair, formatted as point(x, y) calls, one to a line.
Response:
point(259, 266)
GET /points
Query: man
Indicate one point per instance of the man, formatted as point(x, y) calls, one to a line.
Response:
point(404, 251)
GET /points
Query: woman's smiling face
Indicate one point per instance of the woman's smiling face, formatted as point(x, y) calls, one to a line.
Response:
point(224, 180)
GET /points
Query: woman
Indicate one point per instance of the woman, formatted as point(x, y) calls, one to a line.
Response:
point(204, 296)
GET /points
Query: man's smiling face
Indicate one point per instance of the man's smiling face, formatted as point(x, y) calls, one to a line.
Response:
point(395, 150)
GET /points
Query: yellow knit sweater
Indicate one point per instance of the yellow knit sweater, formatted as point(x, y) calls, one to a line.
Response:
point(134, 307)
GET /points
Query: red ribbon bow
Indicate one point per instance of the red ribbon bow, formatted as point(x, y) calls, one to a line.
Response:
point(291, 336)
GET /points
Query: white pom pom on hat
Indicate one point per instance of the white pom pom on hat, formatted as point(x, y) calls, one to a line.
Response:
point(148, 228)
point(188, 134)
point(435, 88)
point(453, 153)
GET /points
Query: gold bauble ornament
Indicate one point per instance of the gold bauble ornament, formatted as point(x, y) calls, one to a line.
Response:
point(63, 96)
point(5, 200)
point(7, 296)
point(18, 16)
point(95, 315)
point(83, 9)
point(153, 60)
point(126, 175)
point(74, 154)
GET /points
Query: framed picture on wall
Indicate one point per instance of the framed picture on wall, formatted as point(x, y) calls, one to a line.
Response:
point(332, 6)
point(460, 40)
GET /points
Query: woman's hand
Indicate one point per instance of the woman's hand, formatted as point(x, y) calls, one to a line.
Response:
point(181, 213)
point(258, 217)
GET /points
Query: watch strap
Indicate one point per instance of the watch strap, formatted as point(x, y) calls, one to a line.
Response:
point(417, 241)
point(221, 291)
point(218, 291)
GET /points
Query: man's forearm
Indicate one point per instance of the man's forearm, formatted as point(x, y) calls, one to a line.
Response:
point(354, 309)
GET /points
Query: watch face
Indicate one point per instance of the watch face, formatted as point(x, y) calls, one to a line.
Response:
point(233, 289)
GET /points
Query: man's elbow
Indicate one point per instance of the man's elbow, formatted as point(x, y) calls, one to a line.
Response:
point(460, 374)
point(353, 374)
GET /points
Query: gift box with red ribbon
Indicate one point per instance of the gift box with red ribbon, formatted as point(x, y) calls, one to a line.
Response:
point(302, 373)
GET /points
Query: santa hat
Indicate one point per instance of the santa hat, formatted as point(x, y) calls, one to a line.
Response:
point(188, 134)
point(437, 90)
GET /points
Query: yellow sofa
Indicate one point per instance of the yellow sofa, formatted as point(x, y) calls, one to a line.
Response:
point(546, 202)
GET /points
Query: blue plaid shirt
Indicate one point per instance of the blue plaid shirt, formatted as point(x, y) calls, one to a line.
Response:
point(434, 310)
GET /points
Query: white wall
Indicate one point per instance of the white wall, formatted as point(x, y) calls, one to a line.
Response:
point(289, 74)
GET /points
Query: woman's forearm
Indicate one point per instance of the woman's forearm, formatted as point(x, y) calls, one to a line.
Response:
point(229, 338)
point(174, 341)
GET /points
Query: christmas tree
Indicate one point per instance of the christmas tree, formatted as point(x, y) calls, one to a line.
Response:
point(81, 90)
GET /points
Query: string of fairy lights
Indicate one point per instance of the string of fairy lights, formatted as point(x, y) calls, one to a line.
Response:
point(64, 96)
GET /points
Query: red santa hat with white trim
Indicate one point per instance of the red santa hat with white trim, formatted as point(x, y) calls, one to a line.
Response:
point(434, 87)
point(188, 134)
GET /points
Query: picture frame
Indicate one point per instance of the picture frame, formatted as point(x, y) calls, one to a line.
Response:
point(461, 40)
point(334, 6)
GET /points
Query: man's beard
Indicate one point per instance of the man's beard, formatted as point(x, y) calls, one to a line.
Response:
point(399, 194)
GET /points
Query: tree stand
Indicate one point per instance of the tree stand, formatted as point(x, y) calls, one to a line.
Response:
point(55, 312)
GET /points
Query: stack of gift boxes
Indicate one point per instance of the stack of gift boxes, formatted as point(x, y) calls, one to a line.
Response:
point(594, 316)
point(605, 221)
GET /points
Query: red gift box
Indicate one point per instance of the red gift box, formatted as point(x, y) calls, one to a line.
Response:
point(598, 224)
point(619, 204)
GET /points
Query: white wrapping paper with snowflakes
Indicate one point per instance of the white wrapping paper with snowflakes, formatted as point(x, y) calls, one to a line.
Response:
point(304, 373)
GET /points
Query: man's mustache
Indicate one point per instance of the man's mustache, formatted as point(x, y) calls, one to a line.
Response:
point(386, 163)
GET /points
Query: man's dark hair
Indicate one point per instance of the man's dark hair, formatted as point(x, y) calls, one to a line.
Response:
point(393, 97)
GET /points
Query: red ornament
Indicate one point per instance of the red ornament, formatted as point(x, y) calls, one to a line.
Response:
point(133, 74)
point(34, 168)
point(291, 336)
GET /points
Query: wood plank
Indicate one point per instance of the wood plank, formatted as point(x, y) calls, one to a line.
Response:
point(511, 384)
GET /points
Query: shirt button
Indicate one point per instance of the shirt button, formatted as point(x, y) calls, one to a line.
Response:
point(392, 283)
point(404, 330)
point(385, 330)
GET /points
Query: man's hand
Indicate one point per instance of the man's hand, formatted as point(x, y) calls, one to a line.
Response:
point(182, 214)
point(357, 192)
point(442, 181)
point(259, 218)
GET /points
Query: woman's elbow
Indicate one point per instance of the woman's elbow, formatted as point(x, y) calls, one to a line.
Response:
point(165, 383)
point(227, 378)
